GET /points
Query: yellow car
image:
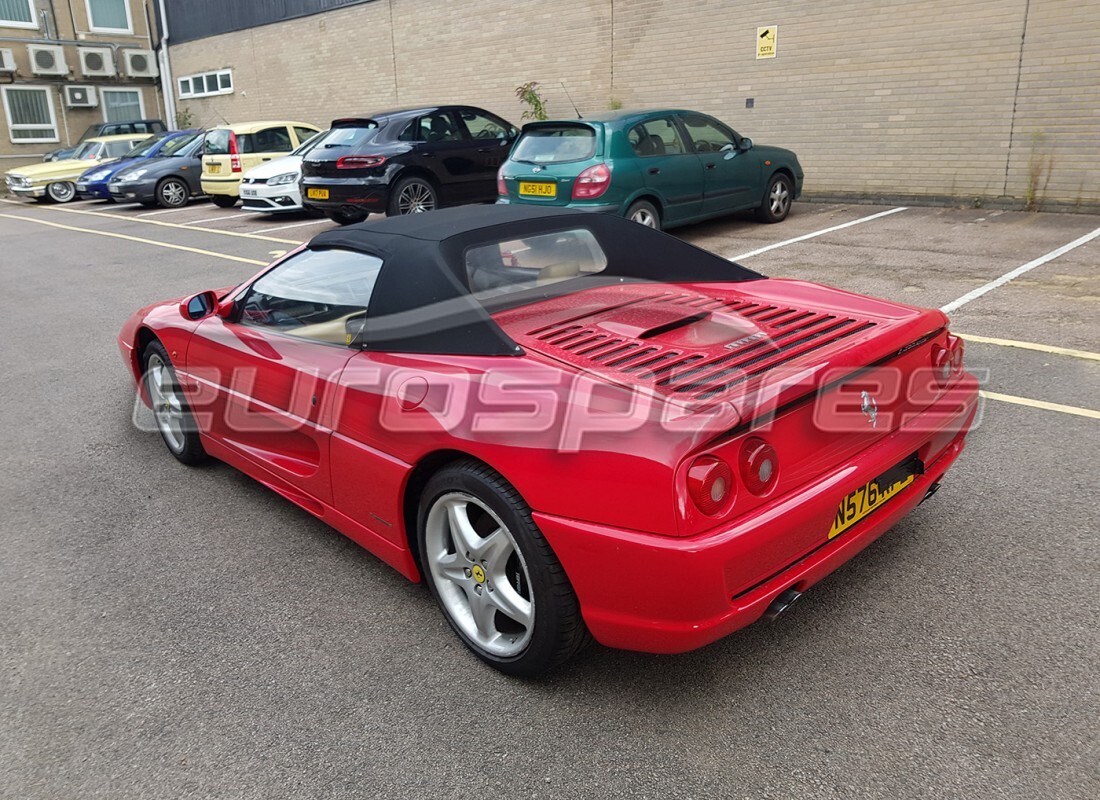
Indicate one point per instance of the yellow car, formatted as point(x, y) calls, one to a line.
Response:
point(232, 150)
point(56, 180)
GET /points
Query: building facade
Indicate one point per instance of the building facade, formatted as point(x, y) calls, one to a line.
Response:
point(67, 64)
point(929, 100)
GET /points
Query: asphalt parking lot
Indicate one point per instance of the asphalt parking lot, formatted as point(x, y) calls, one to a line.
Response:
point(171, 632)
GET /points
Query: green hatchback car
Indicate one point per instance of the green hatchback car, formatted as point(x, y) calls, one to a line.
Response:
point(660, 168)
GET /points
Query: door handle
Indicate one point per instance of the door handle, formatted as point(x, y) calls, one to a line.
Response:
point(654, 170)
point(711, 165)
point(266, 159)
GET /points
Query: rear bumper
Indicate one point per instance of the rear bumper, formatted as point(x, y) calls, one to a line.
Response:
point(663, 594)
point(368, 195)
point(599, 208)
point(224, 186)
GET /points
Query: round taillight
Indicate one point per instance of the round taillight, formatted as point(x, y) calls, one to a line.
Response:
point(759, 466)
point(592, 182)
point(710, 484)
point(941, 364)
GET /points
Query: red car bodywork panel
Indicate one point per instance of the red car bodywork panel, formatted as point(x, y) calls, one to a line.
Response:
point(597, 450)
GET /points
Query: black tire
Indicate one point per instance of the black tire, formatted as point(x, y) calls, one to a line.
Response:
point(224, 200)
point(172, 193)
point(412, 195)
point(775, 205)
point(510, 564)
point(166, 399)
point(61, 191)
point(644, 213)
point(345, 217)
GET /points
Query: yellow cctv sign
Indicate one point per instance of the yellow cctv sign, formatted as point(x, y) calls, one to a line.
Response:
point(765, 41)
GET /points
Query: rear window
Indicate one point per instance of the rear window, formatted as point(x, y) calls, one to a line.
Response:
point(552, 144)
point(217, 142)
point(506, 267)
point(351, 136)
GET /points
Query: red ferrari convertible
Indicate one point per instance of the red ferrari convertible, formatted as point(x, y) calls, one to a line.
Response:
point(571, 426)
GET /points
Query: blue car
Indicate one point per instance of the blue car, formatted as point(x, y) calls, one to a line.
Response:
point(92, 184)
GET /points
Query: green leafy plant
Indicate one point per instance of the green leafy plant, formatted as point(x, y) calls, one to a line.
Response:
point(529, 93)
point(614, 104)
point(184, 118)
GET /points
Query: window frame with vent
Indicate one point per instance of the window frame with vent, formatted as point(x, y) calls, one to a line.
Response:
point(100, 28)
point(22, 23)
point(13, 126)
point(216, 75)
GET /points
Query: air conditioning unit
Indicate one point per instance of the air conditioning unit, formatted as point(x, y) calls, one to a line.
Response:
point(81, 97)
point(48, 59)
point(7, 60)
point(141, 63)
point(96, 62)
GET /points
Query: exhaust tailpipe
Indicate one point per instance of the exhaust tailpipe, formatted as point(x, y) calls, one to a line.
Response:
point(780, 604)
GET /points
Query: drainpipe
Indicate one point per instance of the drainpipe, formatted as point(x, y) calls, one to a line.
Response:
point(166, 70)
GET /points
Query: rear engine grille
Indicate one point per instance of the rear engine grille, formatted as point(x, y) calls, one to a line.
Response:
point(785, 334)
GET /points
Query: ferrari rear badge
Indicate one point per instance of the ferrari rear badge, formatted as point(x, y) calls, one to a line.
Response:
point(869, 407)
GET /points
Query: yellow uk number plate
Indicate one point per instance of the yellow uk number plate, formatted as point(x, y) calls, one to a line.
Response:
point(539, 189)
point(317, 194)
point(866, 499)
point(214, 167)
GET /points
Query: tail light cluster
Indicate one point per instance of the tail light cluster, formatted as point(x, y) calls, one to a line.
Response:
point(592, 182)
point(234, 153)
point(947, 362)
point(359, 162)
point(710, 480)
point(502, 187)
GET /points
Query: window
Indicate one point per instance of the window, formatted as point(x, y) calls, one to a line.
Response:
point(30, 115)
point(512, 266)
point(484, 126)
point(117, 149)
point(17, 14)
point(122, 104)
point(555, 144)
point(319, 294)
point(206, 84)
point(110, 15)
point(304, 134)
point(655, 137)
point(708, 135)
point(438, 127)
point(270, 140)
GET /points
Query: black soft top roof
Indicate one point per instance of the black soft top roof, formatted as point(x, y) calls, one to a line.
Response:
point(422, 301)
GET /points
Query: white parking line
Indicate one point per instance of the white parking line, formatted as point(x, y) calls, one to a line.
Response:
point(1016, 273)
point(211, 219)
point(163, 211)
point(296, 225)
point(803, 238)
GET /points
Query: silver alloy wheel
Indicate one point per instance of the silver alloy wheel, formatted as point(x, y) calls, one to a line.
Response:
point(415, 198)
point(61, 192)
point(779, 200)
point(644, 216)
point(173, 193)
point(479, 574)
point(167, 404)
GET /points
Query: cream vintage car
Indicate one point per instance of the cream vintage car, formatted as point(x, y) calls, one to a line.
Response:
point(56, 180)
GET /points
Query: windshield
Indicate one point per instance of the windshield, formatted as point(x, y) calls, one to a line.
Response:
point(309, 144)
point(348, 136)
point(178, 144)
point(553, 144)
point(144, 147)
point(88, 150)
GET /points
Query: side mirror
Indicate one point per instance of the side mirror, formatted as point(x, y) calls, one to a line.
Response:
point(746, 143)
point(198, 306)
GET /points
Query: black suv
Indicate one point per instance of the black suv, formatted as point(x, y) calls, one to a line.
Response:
point(404, 162)
point(108, 129)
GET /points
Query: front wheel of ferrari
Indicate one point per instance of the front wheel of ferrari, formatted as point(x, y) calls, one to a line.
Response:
point(495, 577)
point(170, 410)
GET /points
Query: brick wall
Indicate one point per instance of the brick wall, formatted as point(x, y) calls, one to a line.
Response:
point(878, 97)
